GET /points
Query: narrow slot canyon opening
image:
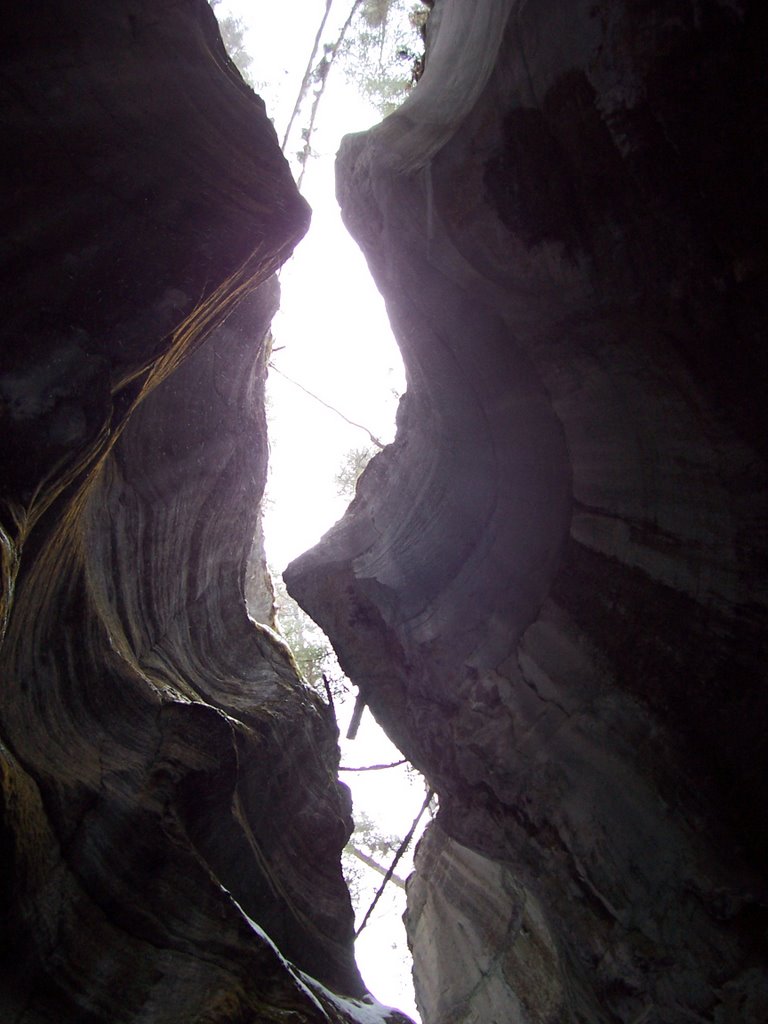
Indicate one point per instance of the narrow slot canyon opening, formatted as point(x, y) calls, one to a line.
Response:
point(335, 380)
point(549, 590)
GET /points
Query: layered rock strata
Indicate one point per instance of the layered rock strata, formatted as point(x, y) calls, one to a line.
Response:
point(551, 588)
point(170, 818)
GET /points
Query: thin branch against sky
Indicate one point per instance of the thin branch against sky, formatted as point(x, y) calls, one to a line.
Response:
point(332, 408)
point(308, 73)
point(374, 767)
point(370, 862)
point(329, 59)
point(400, 851)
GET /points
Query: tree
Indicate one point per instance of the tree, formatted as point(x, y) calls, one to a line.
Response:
point(319, 75)
point(384, 53)
point(389, 874)
point(351, 470)
point(381, 48)
point(232, 32)
point(307, 79)
point(367, 848)
point(309, 645)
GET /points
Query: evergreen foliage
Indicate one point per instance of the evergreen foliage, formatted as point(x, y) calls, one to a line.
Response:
point(368, 848)
point(383, 50)
point(309, 645)
point(232, 32)
point(351, 470)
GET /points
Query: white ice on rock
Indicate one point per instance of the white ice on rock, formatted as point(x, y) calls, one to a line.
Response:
point(371, 1012)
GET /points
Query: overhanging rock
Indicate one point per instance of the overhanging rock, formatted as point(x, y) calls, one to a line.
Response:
point(551, 587)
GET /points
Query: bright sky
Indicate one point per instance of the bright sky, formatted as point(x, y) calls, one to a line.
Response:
point(332, 324)
point(333, 337)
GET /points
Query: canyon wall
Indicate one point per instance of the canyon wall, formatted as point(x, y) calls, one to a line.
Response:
point(170, 817)
point(551, 589)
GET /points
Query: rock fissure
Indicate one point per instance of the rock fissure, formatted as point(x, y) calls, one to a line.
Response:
point(550, 590)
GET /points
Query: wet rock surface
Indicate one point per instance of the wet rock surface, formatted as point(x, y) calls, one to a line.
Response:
point(170, 817)
point(551, 587)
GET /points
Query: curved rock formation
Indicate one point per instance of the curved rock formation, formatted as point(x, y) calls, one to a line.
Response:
point(551, 588)
point(171, 821)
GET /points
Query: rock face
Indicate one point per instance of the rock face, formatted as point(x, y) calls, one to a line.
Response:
point(170, 819)
point(551, 588)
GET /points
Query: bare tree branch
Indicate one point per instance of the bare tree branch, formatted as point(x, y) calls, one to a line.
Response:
point(357, 716)
point(367, 859)
point(400, 851)
point(329, 693)
point(329, 59)
point(352, 423)
point(374, 767)
point(307, 74)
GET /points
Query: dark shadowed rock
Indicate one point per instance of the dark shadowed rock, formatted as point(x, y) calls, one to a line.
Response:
point(551, 587)
point(170, 818)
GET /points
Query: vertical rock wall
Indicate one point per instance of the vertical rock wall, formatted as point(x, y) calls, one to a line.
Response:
point(551, 587)
point(170, 819)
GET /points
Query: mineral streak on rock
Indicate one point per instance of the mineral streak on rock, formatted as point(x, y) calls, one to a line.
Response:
point(170, 822)
point(551, 587)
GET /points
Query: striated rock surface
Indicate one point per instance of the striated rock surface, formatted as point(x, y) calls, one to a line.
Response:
point(551, 589)
point(170, 818)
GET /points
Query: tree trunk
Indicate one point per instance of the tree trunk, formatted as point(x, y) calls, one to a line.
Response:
point(367, 859)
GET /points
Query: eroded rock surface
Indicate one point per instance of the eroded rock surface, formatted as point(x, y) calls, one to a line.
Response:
point(170, 822)
point(551, 588)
